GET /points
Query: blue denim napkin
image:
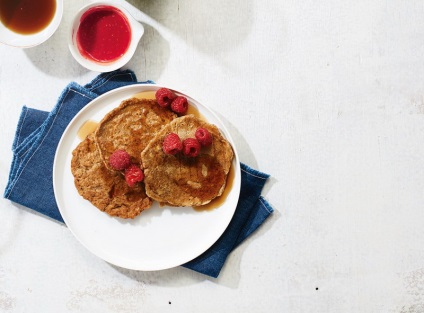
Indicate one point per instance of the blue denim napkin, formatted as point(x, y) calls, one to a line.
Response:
point(37, 136)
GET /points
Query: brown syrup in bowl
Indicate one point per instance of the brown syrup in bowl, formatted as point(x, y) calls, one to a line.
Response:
point(27, 16)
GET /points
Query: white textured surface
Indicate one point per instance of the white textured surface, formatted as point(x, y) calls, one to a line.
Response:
point(327, 96)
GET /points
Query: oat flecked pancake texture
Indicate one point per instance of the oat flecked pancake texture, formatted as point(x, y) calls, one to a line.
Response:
point(105, 189)
point(177, 180)
point(130, 127)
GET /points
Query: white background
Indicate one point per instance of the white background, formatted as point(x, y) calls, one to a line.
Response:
point(326, 96)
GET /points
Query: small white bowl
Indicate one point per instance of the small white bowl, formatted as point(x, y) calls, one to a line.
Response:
point(137, 31)
point(11, 38)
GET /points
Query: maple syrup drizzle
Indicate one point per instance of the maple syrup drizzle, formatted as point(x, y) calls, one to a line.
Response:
point(195, 111)
point(217, 202)
point(146, 95)
point(27, 16)
point(86, 129)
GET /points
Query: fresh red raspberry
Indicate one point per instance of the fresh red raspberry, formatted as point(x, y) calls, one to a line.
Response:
point(191, 147)
point(133, 175)
point(179, 105)
point(164, 97)
point(120, 160)
point(172, 144)
point(203, 136)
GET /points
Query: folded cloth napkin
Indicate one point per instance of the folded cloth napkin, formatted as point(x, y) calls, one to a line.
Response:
point(37, 136)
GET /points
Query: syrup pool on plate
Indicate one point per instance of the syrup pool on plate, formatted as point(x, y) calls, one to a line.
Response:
point(146, 95)
point(27, 16)
point(87, 128)
point(218, 201)
point(104, 34)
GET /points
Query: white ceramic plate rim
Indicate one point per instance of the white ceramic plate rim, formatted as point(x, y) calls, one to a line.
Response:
point(161, 237)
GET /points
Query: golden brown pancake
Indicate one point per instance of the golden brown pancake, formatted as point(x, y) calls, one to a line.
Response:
point(130, 127)
point(186, 181)
point(105, 189)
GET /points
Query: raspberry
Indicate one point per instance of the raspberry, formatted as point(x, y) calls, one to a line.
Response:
point(120, 160)
point(179, 105)
point(172, 144)
point(191, 147)
point(203, 136)
point(133, 175)
point(164, 97)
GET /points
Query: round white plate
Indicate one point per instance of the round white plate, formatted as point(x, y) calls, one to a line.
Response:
point(159, 238)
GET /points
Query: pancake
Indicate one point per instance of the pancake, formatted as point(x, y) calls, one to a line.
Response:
point(105, 189)
point(178, 180)
point(130, 127)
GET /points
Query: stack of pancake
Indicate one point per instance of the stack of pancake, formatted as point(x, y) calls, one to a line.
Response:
point(139, 126)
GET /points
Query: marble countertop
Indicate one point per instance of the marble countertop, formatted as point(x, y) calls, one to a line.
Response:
point(326, 96)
